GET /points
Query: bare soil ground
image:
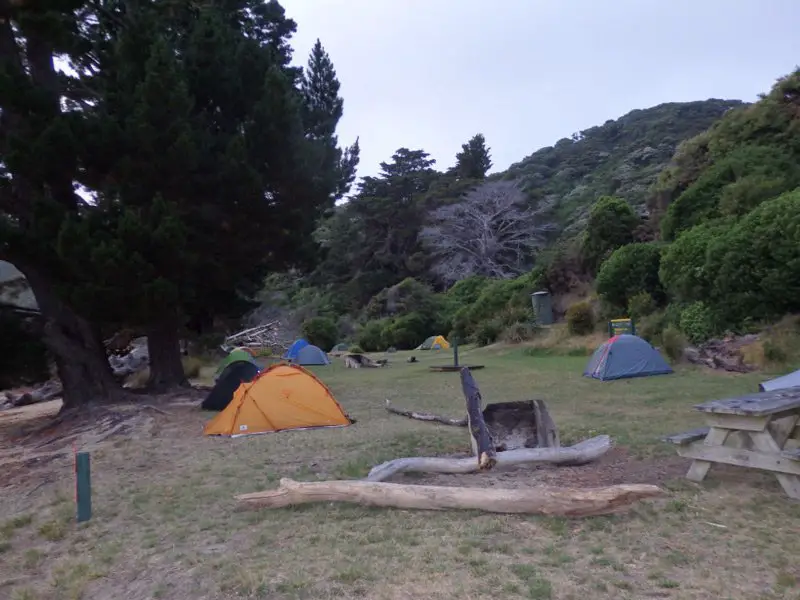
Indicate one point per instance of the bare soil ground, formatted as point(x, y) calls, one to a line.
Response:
point(165, 524)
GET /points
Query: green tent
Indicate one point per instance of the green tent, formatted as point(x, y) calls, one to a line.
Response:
point(235, 355)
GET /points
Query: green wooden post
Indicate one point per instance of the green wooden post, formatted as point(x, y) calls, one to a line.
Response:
point(83, 486)
point(455, 352)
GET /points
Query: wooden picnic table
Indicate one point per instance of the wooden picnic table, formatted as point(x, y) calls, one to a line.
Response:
point(759, 431)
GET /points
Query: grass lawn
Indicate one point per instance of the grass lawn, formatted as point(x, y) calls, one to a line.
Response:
point(164, 524)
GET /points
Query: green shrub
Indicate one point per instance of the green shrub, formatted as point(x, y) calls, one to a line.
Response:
point(580, 319)
point(698, 322)
point(631, 270)
point(370, 338)
point(650, 327)
point(356, 349)
point(516, 333)
point(673, 343)
point(641, 305)
point(487, 332)
point(611, 224)
point(406, 332)
point(682, 270)
point(774, 352)
point(320, 331)
point(755, 264)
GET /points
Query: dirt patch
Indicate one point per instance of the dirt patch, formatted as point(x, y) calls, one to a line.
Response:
point(617, 466)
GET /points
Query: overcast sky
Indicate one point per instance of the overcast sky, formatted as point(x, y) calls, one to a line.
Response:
point(431, 73)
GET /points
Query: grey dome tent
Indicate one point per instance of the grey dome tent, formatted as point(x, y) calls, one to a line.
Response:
point(624, 356)
point(311, 355)
point(782, 382)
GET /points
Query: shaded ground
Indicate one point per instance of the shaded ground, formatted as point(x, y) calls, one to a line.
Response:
point(164, 524)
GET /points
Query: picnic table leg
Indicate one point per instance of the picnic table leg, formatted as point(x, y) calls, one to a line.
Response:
point(764, 442)
point(699, 469)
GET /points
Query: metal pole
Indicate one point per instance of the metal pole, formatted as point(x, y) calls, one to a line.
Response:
point(83, 486)
point(455, 351)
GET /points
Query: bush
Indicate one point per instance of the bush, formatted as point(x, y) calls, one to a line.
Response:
point(191, 366)
point(651, 327)
point(487, 332)
point(356, 349)
point(580, 319)
point(516, 333)
point(641, 305)
point(611, 224)
point(406, 332)
point(320, 331)
point(631, 270)
point(682, 270)
point(756, 264)
point(370, 338)
point(698, 322)
point(674, 343)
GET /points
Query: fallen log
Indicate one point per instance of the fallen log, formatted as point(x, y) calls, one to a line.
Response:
point(581, 453)
point(562, 502)
point(480, 436)
point(423, 416)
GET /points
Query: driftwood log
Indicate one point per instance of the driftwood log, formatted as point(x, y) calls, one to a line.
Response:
point(424, 416)
point(581, 453)
point(356, 361)
point(562, 502)
point(480, 436)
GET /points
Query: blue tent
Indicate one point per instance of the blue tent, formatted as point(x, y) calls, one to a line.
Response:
point(780, 383)
point(311, 355)
point(624, 356)
point(298, 345)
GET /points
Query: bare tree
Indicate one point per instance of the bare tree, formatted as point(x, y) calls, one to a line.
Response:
point(489, 232)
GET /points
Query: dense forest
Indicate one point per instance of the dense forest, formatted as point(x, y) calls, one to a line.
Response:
point(182, 172)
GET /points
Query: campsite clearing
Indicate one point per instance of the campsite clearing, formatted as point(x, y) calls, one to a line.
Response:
point(164, 523)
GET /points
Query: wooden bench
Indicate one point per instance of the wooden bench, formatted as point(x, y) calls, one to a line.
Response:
point(758, 431)
point(687, 437)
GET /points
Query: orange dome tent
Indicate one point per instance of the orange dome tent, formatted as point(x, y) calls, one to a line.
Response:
point(281, 397)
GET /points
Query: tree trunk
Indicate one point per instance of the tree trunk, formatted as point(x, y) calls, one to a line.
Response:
point(76, 346)
point(564, 502)
point(164, 349)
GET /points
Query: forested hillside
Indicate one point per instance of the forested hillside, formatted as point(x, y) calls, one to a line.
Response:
point(391, 251)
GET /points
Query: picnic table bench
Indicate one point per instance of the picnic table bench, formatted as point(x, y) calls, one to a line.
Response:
point(759, 431)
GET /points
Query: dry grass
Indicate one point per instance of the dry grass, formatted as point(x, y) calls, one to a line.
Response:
point(164, 524)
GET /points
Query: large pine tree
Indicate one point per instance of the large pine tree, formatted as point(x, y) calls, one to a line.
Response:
point(207, 170)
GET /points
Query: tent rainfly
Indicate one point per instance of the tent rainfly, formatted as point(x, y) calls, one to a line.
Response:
point(235, 355)
point(311, 355)
point(280, 398)
point(780, 383)
point(435, 342)
point(298, 345)
point(624, 356)
point(228, 381)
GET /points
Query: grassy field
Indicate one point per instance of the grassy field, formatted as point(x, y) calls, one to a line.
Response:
point(165, 526)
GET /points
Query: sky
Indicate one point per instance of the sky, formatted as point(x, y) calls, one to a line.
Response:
point(430, 74)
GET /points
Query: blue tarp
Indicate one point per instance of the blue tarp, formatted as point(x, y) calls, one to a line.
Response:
point(624, 356)
point(298, 345)
point(311, 355)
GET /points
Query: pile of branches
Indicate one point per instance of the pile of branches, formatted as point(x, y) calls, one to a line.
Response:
point(725, 354)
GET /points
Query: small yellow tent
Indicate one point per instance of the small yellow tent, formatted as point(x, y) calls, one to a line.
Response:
point(435, 342)
point(279, 398)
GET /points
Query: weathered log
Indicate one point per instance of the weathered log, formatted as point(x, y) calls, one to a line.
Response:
point(424, 416)
point(566, 502)
point(546, 430)
point(480, 436)
point(581, 453)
